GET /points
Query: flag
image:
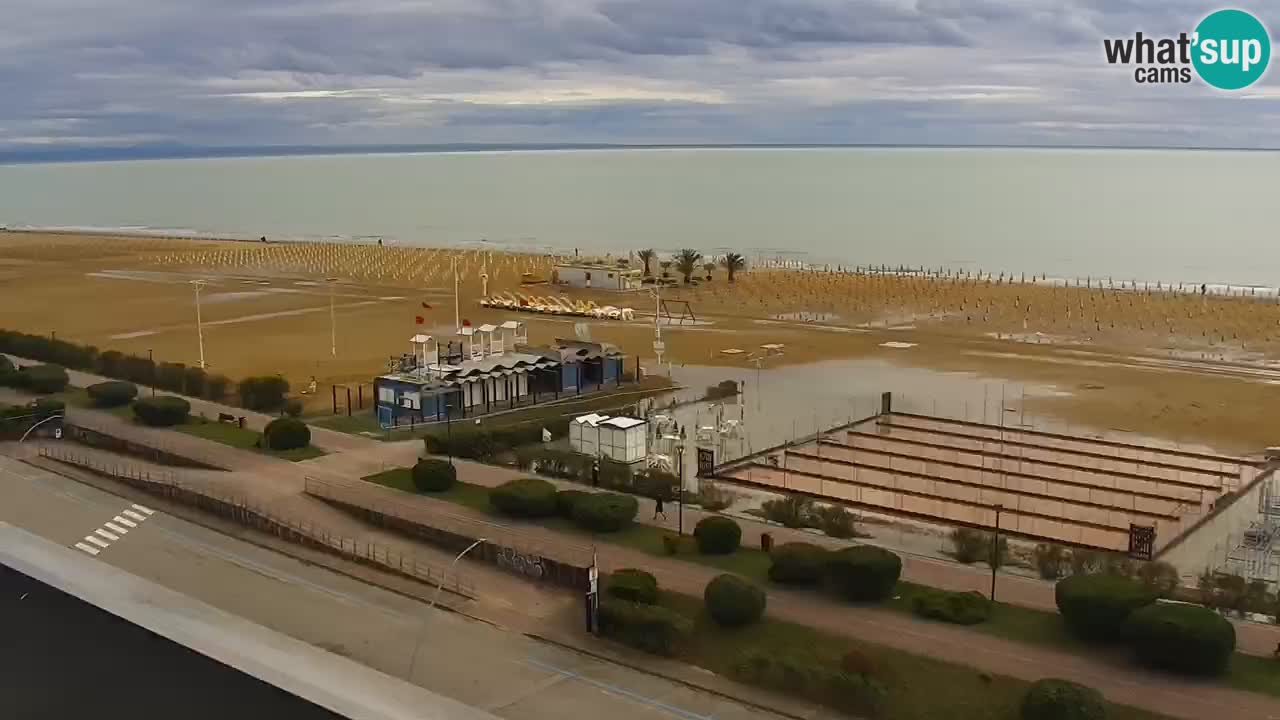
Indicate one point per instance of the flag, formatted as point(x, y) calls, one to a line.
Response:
point(466, 323)
point(419, 319)
point(426, 306)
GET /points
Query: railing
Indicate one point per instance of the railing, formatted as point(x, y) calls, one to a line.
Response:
point(167, 485)
point(120, 436)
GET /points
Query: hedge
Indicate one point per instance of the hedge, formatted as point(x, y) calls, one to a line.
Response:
point(1182, 638)
point(43, 378)
point(797, 563)
point(266, 393)
point(717, 535)
point(633, 585)
point(651, 628)
point(863, 573)
point(566, 499)
point(161, 410)
point(1096, 606)
point(732, 601)
point(1053, 699)
point(431, 475)
point(961, 608)
point(286, 433)
point(525, 498)
point(484, 444)
point(6, 365)
point(855, 693)
point(112, 393)
point(605, 512)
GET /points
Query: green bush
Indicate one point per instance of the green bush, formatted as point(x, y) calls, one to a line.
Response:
point(797, 563)
point(732, 601)
point(112, 393)
point(962, 608)
point(48, 407)
point(633, 585)
point(264, 393)
point(48, 350)
point(969, 546)
point(811, 679)
point(6, 365)
point(1160, 578)
point(1051, 561)
point(671, 544)
point(863, 573)
point(485, 444)
point(525, 498)
point(1096, 606)
point(793, 511)
point(717, 535)
point(216, 387)
point(286, 433)
point(836, 521)
point(1182, 638)
point(431, 475)
point(293, 408)
point(111, 364)
point(193, 381)
point(1051, 699)
point(566, 499)
point(161, 410)
point(650, 628)
point(171, 377)
point(605, 512)
point(655, 484)
point(43, 379)
point(712, 497)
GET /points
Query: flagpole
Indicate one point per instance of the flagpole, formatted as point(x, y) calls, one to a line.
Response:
point(457, 322)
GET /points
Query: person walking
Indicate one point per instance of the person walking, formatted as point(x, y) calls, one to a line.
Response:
point(657, 508)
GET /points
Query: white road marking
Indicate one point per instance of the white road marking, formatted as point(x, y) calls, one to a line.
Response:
point(143, 509)
point(88, 548)
point(125, 521)
point(136, 516)
point(114, 528)
point(107, 535)
point(96, 541)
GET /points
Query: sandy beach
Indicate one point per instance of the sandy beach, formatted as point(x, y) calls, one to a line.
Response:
point(1176, 365)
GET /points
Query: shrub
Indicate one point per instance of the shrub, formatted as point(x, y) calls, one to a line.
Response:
point(110, 363)
point(863, 573)
point(995, 550)
point(431, 475)
point(858, 662)
point(654, 484)
point(717, 535)
point(793, 511)
point(1230, 591)
point(855, 693)
point(1095, 606)
point(1084, 562)
point(969, 546)
point(962, 608)
point(263, 393)
point(836, 521)
point(112, 393)
point(6, 365)
point(1117, 564)
point(722, 389)
point(671, 544)
point(293, 408)
point(43, 379)
point(193, 381)
point(712, 497)
point(1182, 638)
point(286, 433)
point(161, 410)
point(1051, 561)
point(1160, 578)
point(797, 563)
point(732, 601)
point(526, 497)
point(650, 628)
point(48, 407)
point(566, 499)
point(170, 376)
point(605, 512)
point(1051, 699)
point(216, 386)
point(633, 585)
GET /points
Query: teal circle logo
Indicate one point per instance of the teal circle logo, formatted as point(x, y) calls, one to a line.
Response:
point(1232, 49)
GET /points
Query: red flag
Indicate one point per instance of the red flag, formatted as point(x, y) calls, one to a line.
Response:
point(466, 323)
point(426, 306)
point(419, 319)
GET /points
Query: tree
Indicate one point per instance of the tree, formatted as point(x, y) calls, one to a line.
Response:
point(666, 267)
point(733, 262)
point(709, 268)
point(646, 256)
point(687, 263)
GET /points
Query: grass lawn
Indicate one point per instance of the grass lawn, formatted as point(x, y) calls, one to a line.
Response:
point(238, 437)
point(475, 497)
point(919, 688)
point(356, 424)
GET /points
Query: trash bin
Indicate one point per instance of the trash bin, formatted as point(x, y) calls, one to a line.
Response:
point(766, 542)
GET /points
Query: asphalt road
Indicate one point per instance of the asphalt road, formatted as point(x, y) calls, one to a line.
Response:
point(503, 672)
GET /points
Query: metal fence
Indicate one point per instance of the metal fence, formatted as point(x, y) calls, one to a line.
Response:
point(167, 485)
point(161, 446)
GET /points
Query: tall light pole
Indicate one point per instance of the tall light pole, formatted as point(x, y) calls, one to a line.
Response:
point(413, 659)
point(333, 324)
point(152, 380)
point(995, 553)
point(199, 284)
point(457, 318)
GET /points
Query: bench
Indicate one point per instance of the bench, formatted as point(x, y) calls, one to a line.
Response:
point(229, 418)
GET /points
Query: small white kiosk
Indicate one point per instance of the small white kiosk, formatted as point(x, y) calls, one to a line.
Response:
point(621, 439)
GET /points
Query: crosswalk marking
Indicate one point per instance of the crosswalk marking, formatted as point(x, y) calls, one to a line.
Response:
point(143, 509)
point(96, 541)
point(114, 528)
point(119, 525)
point(134, 515)
point(88, 548)
point(107, 535)
point(125, 521)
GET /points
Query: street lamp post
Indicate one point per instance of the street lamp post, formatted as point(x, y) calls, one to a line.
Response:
point(680, 501)
point(448, 430)
point(152, 382)
point(413, 659)
point(333, 325)
point(995, 553)
point(199, 284)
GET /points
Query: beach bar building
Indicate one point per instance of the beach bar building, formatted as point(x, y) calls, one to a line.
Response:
point(596, 276)
point(489, 368)
point(621, 439)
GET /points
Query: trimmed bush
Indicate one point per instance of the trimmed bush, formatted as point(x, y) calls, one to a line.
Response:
point(793, 511)
point(969, 546)
point(650, 628)
point(525, 498)
point(193, 381)
point(863, 573)
point(1160, 578)
point(566, 499)
point(1051, 561)
point(6, 365)
point(605, 512)
point(1096, 606)
point(263, 393)
point(293, 408)
point(1182, 638)
point(671, 544)
point(961, 608)
point(112, 393)
point(161, 410)
point(836, 521)
point(655, 484)
point(48, 407)
point(43, 379)
point(717, 535)
point(286, 433)
point(633, 585)
point(855, 693)
point(1052, 699)
point(216, 387)
point(171, 377)
point(431, 475)
point(732, 601)
point(797, 563)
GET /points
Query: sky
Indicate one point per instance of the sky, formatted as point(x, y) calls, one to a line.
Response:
point(119, 73)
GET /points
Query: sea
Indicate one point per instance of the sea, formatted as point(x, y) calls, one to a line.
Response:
point(1097, 215)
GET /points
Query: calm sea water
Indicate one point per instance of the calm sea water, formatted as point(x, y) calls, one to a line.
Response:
point(1150, 215)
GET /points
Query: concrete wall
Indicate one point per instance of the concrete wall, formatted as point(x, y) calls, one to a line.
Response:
point(1206, 545)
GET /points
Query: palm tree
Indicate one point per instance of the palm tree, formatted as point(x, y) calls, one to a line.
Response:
point(666, 267)
point(709, 267)
point(687, 263)
point(732, 263)
point(646, 256)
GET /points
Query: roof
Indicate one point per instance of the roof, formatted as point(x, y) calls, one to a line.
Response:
point(623, 422)
point(592, 419)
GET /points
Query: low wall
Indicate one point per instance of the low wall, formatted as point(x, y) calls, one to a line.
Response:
point(1206, 544)
point(96, 437)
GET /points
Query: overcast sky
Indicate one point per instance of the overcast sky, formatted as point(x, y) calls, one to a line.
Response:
point(269, 72)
